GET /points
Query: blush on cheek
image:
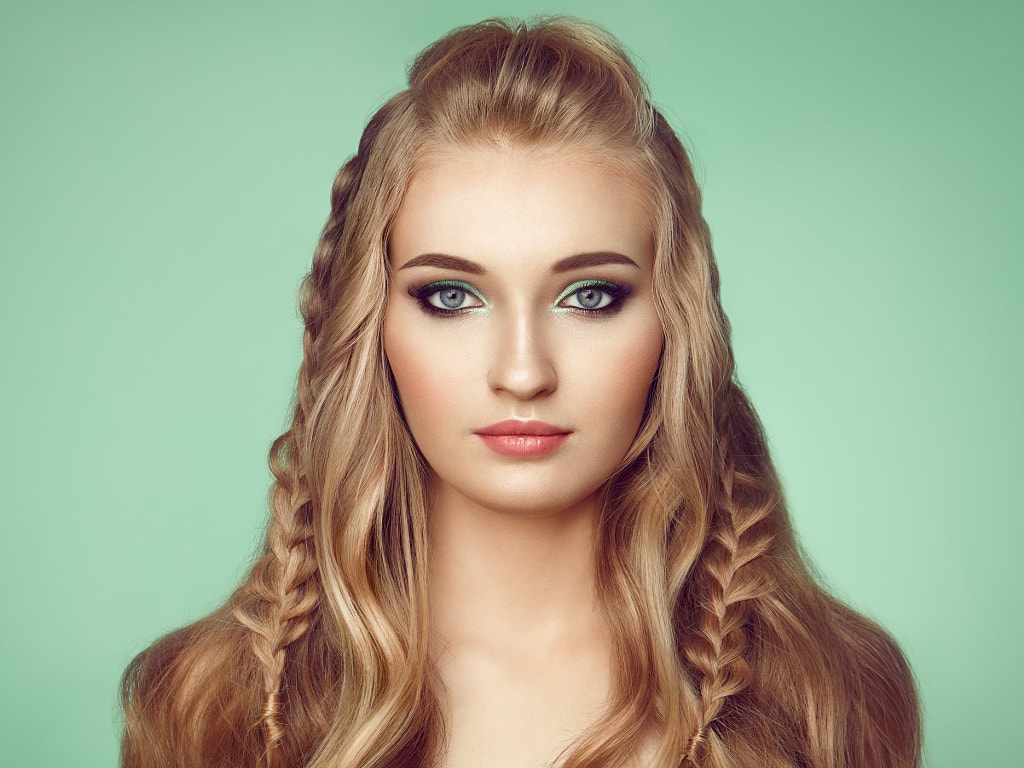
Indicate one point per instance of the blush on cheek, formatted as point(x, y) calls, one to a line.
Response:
point(423, 382)
point(638, 362)
point(640, 367)
point(402, 359)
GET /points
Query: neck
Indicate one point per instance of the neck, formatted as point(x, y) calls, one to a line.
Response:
point(506, 582)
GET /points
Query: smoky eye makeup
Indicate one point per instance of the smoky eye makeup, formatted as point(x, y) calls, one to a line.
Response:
point(593, 297)
point(589, 298)
point(447, 298)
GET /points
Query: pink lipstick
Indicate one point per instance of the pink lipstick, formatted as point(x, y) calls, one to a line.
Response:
point(522, 439)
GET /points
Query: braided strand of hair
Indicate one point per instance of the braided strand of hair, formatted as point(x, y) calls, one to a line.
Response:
point(736, 541)
point(282, 593)
point(286, 586)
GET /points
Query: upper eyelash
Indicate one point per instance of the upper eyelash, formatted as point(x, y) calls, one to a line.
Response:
point(617, 291)
point(423, 292)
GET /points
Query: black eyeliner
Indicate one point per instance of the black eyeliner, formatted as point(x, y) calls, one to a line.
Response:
point(618, 291)
point(422, 292)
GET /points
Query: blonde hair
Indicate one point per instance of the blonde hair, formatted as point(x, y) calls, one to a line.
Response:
point(725, 646)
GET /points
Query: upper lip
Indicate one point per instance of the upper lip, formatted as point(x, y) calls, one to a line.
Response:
point(517, 427)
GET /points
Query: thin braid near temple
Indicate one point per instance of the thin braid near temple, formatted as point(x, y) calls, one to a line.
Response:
point(282, 582)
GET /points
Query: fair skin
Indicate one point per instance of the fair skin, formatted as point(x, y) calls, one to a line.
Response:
point(521, 295)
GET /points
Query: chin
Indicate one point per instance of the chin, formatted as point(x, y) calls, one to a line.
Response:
point(532, 501)
point(527, 490)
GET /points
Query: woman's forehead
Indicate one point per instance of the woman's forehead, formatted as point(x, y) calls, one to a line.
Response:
point(503, 202)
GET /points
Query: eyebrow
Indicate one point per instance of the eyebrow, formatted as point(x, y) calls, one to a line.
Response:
point(568, 264)
point(444, 261)
point(596, 259)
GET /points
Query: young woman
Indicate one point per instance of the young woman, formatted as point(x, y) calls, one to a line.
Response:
point(524, 515)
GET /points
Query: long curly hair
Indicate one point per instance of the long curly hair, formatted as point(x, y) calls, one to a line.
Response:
point(725, 646)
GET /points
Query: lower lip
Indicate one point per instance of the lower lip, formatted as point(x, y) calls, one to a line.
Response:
point(523, 446)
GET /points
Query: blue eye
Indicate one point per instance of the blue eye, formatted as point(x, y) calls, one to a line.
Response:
point(448, 297)
point(590, 297)
point(599, 297)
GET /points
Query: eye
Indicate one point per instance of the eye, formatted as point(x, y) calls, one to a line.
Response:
point(593, 296)
point(590, 297)
point(450, 297)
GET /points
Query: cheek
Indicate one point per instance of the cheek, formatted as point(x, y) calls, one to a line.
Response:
point(428, 372)
point(621, 373)
point(409, 364)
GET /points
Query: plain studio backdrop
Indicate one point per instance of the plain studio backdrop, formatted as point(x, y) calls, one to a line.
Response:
point(164, 175)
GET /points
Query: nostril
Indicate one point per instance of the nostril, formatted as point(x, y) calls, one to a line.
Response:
point(522, 365)
point(523, 379)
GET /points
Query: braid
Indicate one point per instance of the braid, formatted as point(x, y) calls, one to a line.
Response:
point(740, 534)
point(278, 603)
point(283, 584)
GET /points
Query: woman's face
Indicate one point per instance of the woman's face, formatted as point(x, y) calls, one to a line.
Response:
point(520, 327)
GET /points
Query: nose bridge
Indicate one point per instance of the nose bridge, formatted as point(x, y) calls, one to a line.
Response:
point(522, 363)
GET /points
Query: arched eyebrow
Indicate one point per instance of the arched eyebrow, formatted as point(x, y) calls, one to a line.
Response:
point(444, 261)
point(568, 264)
point(596, 259)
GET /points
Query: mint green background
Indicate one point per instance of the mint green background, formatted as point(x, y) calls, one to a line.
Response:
point(164, 172)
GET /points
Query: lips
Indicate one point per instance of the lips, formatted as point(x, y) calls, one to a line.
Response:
point(523, 439)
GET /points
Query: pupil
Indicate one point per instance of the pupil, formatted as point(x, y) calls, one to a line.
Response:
point(590, 297)
point(452, 297)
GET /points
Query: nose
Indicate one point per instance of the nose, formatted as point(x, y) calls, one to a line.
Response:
point(521, 364)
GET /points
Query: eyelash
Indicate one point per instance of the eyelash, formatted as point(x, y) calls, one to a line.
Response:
point(618, 293)
point(422, 294)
